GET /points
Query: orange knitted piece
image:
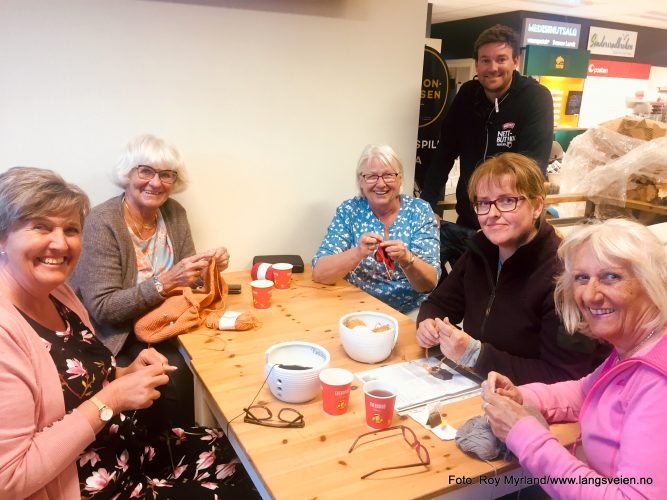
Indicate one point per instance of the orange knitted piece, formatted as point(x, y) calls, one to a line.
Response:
point(183, 309)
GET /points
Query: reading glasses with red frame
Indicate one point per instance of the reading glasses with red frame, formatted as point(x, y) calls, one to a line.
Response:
point(410, 438)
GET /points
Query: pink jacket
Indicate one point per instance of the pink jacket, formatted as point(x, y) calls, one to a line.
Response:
point(622, 411)
point(39, 444)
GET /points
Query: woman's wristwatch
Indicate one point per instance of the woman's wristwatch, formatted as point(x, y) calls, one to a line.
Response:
point(106, 413)
point(159, 286)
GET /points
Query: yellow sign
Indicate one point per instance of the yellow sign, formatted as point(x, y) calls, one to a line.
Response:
point(564, 90)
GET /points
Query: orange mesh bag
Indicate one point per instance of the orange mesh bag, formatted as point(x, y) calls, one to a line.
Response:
point(183, 309)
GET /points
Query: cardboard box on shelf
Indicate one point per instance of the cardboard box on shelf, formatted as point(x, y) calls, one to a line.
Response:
point(644, 188)
point(639, 128)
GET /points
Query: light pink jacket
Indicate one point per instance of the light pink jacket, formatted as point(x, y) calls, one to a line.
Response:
point(39, 444)
point(622, 411)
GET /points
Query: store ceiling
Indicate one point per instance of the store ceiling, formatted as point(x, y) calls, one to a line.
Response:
point(639, 12)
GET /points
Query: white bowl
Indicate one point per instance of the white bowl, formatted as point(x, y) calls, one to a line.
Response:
point(295, 385)
point(364, 345)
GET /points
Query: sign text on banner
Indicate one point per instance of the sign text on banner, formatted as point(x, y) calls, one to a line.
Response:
point(550, 33)
point(609, 42)
point(618, 69)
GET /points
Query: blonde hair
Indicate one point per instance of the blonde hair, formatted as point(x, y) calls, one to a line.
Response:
point(28, 193)
point(614, 242)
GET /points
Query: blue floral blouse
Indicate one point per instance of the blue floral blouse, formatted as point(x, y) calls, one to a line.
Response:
point(415, 225)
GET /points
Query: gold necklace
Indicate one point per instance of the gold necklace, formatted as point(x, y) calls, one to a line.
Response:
point(637, 347)
point(144, 227)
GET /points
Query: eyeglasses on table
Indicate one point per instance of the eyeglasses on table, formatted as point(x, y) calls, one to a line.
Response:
point(410, 438)
point(262, 415)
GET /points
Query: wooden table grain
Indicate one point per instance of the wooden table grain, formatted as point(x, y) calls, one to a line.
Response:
point(313, 461)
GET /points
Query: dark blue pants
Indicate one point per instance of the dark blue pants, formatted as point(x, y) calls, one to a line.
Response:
point(453, 242)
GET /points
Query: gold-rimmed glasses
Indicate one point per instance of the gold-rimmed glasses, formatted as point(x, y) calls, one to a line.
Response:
point(262, 415)
point(410, 438)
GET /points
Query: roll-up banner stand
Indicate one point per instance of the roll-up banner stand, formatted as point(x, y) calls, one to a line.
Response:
point(436, 95)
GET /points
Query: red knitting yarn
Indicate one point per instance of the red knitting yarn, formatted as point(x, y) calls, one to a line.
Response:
point(262, 271)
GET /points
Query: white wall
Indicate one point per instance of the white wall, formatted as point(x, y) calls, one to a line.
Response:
point(269, 101)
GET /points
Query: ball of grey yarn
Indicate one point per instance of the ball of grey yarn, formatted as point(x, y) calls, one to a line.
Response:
point(476, 437)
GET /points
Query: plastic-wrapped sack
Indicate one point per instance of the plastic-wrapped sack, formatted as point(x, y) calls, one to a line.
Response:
point(643, 166)
point(606, 164)
point(594, 148)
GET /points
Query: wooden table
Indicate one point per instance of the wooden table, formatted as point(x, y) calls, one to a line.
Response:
point(313, 462)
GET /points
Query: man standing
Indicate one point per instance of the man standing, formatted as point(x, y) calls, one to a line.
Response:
point(498, 111)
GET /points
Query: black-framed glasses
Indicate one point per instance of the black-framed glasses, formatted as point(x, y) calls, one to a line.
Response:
point(147, 173)
point(262, 415)
point(410, 438)
point(388, 178)
point(504, 204)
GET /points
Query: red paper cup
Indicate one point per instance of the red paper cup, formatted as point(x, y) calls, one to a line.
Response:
point(261, 293)
point(282, 273)
point(380, 399)
point(335, 390)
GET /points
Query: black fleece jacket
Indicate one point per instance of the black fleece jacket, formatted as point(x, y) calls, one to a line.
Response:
point(475, 130)
point(513, 313)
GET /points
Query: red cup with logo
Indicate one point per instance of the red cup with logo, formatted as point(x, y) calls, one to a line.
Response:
point(261, 293)
point(380, 399)
point(282, 272)
point(336, 384)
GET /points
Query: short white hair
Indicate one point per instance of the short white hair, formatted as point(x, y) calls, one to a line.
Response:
point(149, 150)
point(384, 154)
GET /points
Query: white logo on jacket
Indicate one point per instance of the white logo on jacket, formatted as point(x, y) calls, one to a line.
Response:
point(506, 138)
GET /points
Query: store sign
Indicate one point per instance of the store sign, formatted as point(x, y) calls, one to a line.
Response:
point(620, 43)
point(617, 69)
point(550, 33)
point(554, 61)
